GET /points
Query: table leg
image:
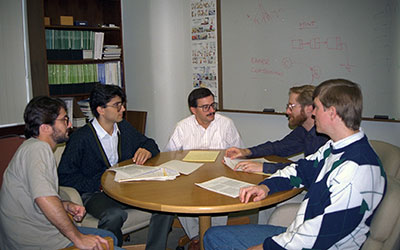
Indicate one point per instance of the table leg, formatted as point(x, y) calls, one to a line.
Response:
point(204, 224)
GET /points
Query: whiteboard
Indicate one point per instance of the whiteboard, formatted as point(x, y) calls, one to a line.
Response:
point(268, 46)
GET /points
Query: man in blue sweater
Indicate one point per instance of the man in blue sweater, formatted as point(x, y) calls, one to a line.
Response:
point(303, 138)
point(103, 142)
point(344, 178)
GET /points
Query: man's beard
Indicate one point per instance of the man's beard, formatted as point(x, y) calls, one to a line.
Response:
point(58, 136)
point(298, 120)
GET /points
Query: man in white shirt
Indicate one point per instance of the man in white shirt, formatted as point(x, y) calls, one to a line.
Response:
point(204, 129)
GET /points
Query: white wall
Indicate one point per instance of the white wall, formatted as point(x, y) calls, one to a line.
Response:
point(158, 75)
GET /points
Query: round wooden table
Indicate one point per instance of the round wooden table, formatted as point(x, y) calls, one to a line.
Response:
point(183, 196)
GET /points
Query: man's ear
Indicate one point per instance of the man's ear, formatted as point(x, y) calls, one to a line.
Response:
point(45, 129)
point(332, 112)
point(193, 110)
point(308, 109)
point(100, 110)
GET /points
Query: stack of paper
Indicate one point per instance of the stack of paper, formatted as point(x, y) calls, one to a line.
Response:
point(224, 185)
point(233, 162)
point(135, 172)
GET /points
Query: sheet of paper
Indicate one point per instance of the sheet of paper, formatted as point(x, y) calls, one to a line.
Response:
point(135, 172)
point(233, 162)
point(224, 185)
point(182, 167)
point(201, 156)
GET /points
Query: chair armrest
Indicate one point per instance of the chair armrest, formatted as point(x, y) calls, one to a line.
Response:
point(70, 194)
point(110, 244)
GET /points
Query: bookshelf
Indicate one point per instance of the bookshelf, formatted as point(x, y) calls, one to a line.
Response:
point(68, 76)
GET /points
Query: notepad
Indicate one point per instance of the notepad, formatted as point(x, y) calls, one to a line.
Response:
point(201, 156)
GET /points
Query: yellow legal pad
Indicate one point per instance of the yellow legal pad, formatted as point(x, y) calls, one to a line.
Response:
point(201, 156)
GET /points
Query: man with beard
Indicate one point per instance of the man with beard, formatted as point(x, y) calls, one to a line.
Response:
point(100, 144)
point(204, 129)
point(32, 216)
point(302, 139)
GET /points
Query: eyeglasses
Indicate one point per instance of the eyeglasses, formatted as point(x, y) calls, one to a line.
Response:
point(65, 119)
point(291, 106)
point(117, 105)
point(207, 107)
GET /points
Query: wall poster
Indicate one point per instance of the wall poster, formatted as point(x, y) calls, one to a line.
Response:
point(204, 45)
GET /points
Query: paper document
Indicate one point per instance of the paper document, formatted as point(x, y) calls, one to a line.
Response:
point(135, 172)
point(233, 162)
point(201, 156)
point(224, 185)
point(182, 167)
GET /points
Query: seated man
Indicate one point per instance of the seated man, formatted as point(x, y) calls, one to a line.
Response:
point(344, 178)
point(32, 216)
point(103, 142)
point(204, 129)
point(303, 139)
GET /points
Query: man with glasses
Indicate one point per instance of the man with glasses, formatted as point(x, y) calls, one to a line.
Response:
point(103, 142)
point(32, 216)
point(302, 139)
point(204, 129)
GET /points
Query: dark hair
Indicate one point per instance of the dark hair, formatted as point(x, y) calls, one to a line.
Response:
point(41, 110)
point(198, 94)
point(102, 94)
point(345, 96)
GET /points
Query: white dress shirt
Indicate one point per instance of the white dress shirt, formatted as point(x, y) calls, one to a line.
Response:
point(189, 134)
point(109, 142)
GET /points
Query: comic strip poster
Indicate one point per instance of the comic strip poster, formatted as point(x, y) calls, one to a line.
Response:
point(204, 45)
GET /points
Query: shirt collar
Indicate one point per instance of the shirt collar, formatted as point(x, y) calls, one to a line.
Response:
point(348, 140)
point(101, 133)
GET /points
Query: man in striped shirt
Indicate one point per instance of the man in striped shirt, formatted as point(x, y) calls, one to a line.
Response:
point(345, 181)
point(204, 129)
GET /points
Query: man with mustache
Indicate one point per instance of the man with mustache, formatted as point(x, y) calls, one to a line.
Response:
point(204, 129)
point(302, 139)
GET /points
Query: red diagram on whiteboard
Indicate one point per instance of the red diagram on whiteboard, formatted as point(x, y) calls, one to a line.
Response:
point(331, 43)
point(262, 15)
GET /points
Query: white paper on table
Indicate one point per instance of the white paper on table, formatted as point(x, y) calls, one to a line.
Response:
point(135, 172)
point(182, 167)
point(224, 185)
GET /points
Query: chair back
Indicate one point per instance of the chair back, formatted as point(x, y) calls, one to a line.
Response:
point(8, 147)
point(137, 119)
point(385, 226)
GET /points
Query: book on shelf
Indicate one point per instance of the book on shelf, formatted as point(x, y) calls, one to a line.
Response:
point(69, 39)
point(98, 45)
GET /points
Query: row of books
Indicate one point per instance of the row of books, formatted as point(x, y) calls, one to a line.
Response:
point(105, 73)
point(70, 39)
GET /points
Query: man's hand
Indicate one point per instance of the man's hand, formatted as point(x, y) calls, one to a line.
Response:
point(234, 152)
point(141, 156)
point(258, 247)
point(259, 192)
point(249, 166)
point(77, 211)
point(92, 242)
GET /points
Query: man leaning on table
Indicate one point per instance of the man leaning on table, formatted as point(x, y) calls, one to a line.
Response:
point(103, 142)
point(302, 139)
point(32, 216)
point(345, 181)
point(204, 129)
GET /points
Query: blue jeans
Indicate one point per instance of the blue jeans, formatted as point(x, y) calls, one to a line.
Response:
point(99, 232)
point(239, 237)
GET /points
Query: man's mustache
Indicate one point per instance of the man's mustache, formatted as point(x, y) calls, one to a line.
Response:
point(210, 114)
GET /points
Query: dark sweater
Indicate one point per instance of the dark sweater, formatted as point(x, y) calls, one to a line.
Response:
point(84, 160)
